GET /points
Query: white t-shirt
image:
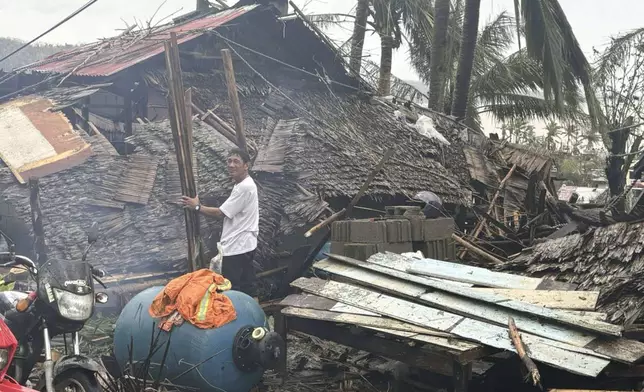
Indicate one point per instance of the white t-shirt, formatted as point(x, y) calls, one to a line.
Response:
point(241, 220)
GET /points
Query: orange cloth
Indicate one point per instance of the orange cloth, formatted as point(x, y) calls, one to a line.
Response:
point(196, 298)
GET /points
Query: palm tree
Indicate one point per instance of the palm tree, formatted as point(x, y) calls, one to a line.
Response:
point(571, 131)
point(389, 17)
point(551, 42)
point(357, 38)
point(504, 86)
point(466, 59)
point(438, 66)
point(553, 129)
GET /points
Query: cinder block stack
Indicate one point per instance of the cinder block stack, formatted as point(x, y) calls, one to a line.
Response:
point(402, 230)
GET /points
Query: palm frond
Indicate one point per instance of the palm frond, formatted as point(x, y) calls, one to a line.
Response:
point(325, 21)
point(504, 107)
point(551, 41)
point(615, 54)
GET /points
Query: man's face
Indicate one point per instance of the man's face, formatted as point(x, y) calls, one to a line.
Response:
point(236, 166)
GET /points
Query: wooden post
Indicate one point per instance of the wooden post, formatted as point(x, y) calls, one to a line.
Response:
point(128, 115)
point(281, 327)
point(234, 98)
point(36, 220)
point(181, 122)
point(461, 376)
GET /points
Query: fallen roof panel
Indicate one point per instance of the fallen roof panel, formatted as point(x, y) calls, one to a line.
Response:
point(35, 142)
point(107, 57)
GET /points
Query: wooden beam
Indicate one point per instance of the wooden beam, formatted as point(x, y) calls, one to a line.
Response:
point(231, 84)
point(128, 115)
point(85, 114)
point(560, 355)
point(481, 223)
point(475, 249)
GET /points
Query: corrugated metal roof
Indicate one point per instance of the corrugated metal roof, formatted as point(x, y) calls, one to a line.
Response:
point(37, 142)
point(107, 57)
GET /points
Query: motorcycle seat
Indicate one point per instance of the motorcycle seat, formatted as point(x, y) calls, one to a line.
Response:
point(8, 300)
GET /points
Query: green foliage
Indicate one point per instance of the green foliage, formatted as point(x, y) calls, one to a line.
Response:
point(28, 55)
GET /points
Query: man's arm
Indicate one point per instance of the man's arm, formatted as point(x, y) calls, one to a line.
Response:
point(211, 211)
point(192, 203)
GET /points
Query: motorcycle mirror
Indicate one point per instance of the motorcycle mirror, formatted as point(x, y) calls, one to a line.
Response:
point(92, 233)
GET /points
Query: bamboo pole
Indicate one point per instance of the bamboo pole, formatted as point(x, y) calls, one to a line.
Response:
point(476, 250)
point(490, 210)
point(231, 84)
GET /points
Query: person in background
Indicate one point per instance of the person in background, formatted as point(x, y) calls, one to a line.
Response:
point(240, 213)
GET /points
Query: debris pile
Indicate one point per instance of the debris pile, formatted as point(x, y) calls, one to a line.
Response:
point(456, 315)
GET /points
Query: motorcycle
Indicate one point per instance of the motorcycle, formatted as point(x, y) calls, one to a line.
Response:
point(62, 303)
point(8, 346)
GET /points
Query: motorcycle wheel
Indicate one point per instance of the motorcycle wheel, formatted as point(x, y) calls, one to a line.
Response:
point(76, 381)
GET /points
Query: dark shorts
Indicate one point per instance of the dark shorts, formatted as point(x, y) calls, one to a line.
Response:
point(240, 271)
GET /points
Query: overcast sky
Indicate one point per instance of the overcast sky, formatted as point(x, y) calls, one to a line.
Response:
point(593, 21)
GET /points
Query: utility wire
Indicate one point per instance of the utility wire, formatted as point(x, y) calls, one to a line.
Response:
point(78, 11)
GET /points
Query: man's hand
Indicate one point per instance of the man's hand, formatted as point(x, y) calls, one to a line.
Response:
point(189, 202)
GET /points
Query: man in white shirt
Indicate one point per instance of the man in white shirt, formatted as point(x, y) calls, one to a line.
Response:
point(240, 213)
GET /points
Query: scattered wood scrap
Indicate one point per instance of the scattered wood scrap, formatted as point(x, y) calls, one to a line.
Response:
point(533, 371)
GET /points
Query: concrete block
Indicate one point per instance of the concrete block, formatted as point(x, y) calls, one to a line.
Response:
point(444, 249)
point(399, 247)
point(340, 231)
point(434, 229)
point(417, 229)
point(368, 232)
point(337, 248)
point(362, 251)
point(398, 230)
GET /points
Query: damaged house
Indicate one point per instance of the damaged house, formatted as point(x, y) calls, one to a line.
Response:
point(316, 129)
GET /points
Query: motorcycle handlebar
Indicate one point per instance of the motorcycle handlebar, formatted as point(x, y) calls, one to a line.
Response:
point(11, 260)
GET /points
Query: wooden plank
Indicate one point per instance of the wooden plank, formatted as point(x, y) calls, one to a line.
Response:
point(452, 303)
point(556, 299)
point(544, 350)
point(474, 275)
point(309, 301)
point(231, 85)
point(445, 344)
point(555, 315)
point(623, 350)
point(401, 263)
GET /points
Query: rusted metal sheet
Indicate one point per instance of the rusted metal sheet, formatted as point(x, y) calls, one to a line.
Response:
point(107, 57)
point(35, 142)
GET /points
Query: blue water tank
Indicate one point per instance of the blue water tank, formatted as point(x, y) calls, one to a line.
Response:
point(197, 358)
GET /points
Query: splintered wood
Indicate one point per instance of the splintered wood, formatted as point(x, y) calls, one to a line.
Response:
point(508, 312)
point(533, 371)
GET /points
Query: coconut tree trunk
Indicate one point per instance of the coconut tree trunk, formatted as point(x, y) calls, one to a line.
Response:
point(466, 58)
point(357, 39)
point(437, 62)
point(386, 55)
